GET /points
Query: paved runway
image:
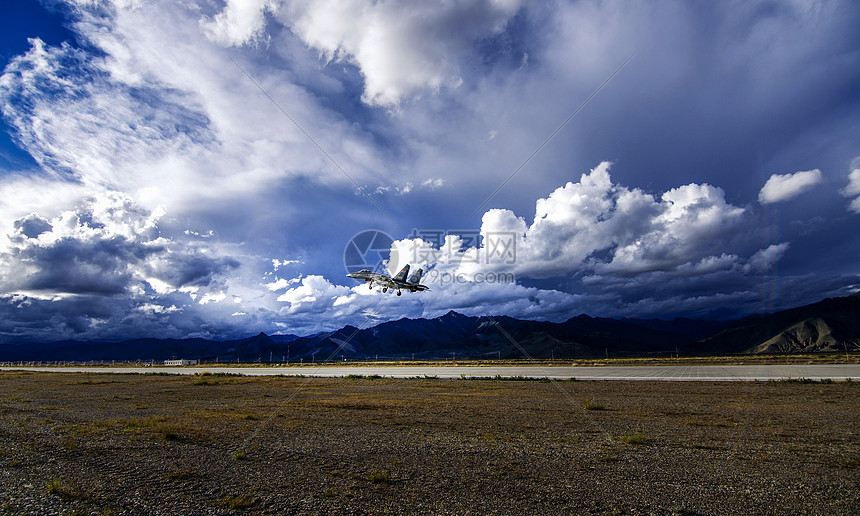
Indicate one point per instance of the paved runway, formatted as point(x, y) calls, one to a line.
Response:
point(652, 373)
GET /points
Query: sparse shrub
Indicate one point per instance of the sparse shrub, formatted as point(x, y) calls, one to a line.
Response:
point(592, 405)
point(363, 377)
point(57, 487)
point(634, 438)
point(239, 455)
point(248, 417)
point(379, 476)
point(170, 433)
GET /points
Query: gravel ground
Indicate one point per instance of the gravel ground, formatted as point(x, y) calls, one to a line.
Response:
point(134, 444)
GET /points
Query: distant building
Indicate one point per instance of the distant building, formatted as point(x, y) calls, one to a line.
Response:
point(180, 362)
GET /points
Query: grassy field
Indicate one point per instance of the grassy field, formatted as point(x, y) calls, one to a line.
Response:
point(216, 444)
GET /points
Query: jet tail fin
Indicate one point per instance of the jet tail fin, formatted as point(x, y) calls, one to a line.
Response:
point(416, 277)
point(401, 276)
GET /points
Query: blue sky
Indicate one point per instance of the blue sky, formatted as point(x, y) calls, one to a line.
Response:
point(190, 169)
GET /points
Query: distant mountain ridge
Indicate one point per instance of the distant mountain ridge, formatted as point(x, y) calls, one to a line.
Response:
point(830, 325)
point(826, 326)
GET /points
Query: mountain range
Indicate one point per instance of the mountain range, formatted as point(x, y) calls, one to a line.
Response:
point(831, 325)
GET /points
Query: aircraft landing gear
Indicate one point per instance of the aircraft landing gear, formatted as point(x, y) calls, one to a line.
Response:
point(398, 292)
point(370, 286)
point(384, 290)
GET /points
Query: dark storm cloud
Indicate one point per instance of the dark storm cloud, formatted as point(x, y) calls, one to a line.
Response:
point(105, 270)
point(32, 225)
point(84, 267)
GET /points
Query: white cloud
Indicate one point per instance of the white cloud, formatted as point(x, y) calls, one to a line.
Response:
point(239, 23)
point(782, 187)
point(432, 183)
point(401, 48)
point(157, 309)
point(212, 297)
point(313, 292)
point(282, 283)
point(277, 264)
point(409, 187)
point(597, 225)
point(764, 259)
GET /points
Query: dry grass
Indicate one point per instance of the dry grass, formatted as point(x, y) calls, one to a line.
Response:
point(369, 445)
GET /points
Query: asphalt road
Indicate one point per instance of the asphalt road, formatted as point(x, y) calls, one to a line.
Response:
point(661, 373)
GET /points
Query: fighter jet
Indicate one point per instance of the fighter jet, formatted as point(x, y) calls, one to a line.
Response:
point(397, 282)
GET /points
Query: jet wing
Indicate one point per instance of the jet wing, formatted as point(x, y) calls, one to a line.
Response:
point(385, 281)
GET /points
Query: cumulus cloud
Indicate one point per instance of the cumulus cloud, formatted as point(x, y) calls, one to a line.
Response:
point(782, 187)
point(598, 225)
